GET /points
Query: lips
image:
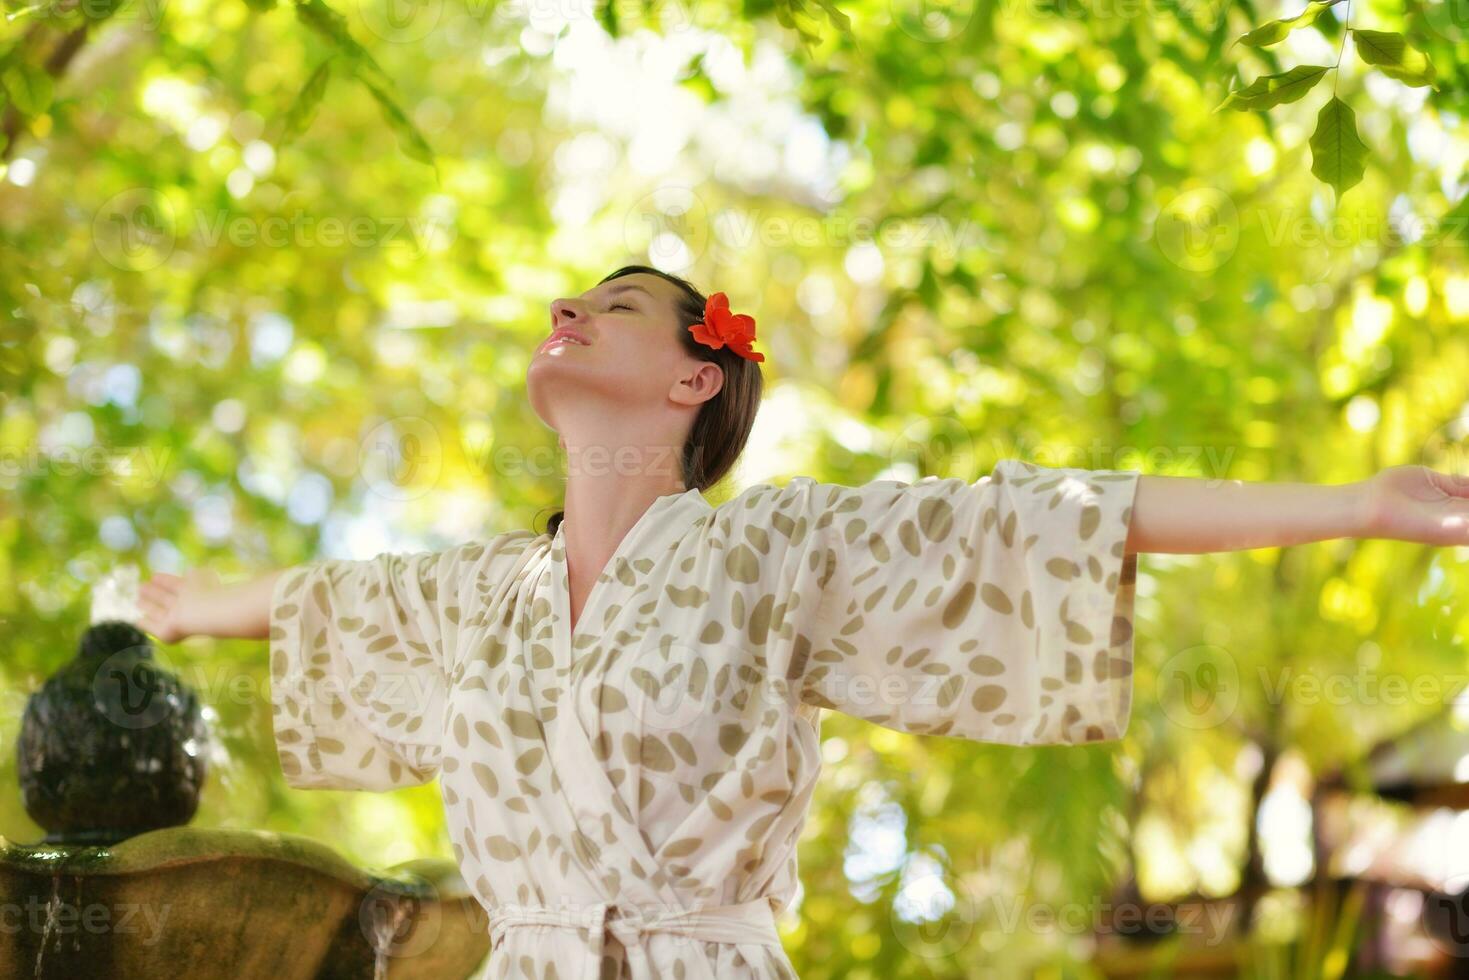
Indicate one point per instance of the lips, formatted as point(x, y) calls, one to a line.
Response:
point(566, 335)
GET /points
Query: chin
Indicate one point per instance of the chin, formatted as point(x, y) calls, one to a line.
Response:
point(547, 383)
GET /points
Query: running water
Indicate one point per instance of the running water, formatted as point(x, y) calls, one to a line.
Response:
point(53, 905)
point(385, 930)
point(76, 936)
point(115, 596)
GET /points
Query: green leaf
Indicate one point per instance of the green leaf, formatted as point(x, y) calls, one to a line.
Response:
point(333, 26)
point(1272, 90)
point(100, 10)
point(792, 14)
point(1338, 155)
point(1394, 56)
point(303, 110)
point(29, 89)
point(839, 20)
point(607, 14)
point(1277, 30)
point(35, 8)
point(260, 6)
point(695, 80)
point(409, 137)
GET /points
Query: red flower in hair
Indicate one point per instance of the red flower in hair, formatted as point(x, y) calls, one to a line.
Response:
point(721, 327)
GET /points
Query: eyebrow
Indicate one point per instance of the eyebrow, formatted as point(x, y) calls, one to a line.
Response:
point(627, 287)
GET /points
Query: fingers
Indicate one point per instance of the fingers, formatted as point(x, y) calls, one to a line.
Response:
point(157, 598)
point(1456, 484)
point(160, 586)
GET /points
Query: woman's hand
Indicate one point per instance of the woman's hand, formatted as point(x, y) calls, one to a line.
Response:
point(1415, 503)
point(172, 605)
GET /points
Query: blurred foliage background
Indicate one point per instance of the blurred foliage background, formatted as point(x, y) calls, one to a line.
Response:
point(272, 273)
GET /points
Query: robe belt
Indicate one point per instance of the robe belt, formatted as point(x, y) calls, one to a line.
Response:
point(748, 922)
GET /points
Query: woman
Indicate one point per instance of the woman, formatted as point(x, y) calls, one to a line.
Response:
point(624, 710)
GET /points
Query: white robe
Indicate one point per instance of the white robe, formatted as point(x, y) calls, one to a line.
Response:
point(609, 797)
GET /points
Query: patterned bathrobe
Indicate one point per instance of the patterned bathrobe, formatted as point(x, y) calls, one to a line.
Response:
point(627, 801)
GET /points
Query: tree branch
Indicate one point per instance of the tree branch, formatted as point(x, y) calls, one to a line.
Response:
point(55, 66)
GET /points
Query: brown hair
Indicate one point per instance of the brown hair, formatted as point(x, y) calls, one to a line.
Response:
point(723, 425)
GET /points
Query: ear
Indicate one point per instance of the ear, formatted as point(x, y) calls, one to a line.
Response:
point(701, 382)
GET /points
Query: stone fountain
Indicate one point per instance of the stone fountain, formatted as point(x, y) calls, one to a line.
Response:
point(112, 758)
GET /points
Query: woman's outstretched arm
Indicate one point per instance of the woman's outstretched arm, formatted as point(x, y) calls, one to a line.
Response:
point(1187, 515)
point(175, 608)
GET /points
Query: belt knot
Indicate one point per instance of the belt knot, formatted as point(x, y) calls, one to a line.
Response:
point(747, 922)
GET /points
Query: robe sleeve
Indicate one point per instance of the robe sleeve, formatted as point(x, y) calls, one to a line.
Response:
point(999, 610)
point(361, 652)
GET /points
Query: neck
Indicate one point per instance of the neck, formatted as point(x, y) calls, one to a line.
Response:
point(612, 480)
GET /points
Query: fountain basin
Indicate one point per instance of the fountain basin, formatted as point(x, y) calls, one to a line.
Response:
point(236, 904)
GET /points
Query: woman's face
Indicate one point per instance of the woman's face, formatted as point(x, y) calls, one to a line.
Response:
point(624, 356)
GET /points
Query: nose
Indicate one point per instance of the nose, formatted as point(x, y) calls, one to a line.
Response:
point(567, 312)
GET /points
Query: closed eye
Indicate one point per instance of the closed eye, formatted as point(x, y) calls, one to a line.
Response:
point(623, 306)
